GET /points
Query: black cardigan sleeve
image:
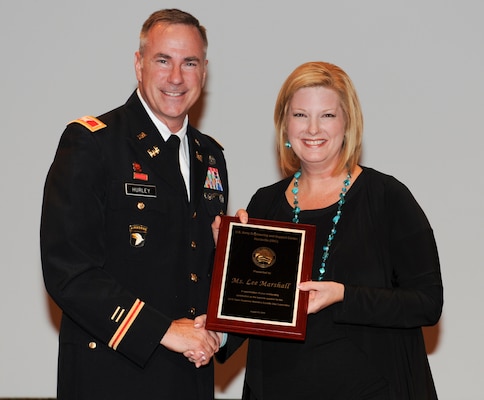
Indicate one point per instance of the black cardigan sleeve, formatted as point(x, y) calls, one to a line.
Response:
point(415, 297)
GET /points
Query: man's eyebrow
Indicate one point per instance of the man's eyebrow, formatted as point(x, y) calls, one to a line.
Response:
point(186, 59)
point(162, 55)
point(192, 58)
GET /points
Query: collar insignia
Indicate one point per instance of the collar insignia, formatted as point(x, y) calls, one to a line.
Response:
point(154, 151)
point(141, 135)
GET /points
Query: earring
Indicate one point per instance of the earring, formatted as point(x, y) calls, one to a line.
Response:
point(288, 145)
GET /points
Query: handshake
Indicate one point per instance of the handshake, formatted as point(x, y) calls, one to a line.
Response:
point(190, 338)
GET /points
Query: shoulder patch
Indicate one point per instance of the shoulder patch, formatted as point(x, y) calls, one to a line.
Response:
point(91, 123)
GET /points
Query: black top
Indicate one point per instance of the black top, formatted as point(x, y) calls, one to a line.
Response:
point(371, 344)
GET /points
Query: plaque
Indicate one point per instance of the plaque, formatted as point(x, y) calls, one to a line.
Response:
point(257, 268)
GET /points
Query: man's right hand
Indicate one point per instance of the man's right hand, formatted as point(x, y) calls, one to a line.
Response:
point(198, 345)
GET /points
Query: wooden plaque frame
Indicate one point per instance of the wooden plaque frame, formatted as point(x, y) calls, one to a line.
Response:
point(257, 268)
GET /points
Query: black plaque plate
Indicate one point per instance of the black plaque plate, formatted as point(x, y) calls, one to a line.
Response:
point(257, 268)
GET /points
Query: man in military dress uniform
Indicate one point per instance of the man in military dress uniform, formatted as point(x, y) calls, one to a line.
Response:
point(126, 241)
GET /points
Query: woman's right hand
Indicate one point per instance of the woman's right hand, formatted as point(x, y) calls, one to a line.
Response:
point(322, 294)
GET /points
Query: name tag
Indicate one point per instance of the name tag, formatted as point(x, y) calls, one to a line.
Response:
point(132, 189)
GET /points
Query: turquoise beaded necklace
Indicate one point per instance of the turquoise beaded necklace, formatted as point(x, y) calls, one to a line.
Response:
point(296, 210)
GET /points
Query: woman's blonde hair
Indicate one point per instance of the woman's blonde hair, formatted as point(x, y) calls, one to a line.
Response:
point(313, 74)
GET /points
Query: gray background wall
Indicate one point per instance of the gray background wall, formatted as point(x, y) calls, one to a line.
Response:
point(418, 67)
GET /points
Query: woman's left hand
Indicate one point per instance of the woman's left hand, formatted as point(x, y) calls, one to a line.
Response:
point(322, 294)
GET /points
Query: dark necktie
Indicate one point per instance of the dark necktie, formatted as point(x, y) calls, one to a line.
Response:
point(173, 152)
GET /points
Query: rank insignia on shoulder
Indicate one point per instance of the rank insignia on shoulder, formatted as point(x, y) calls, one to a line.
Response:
point(91, 123)
point(215, 142)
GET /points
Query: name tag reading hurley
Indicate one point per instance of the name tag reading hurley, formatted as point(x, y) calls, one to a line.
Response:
point(132, 189)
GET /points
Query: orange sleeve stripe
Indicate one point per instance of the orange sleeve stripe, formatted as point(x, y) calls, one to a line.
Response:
point(126, 324)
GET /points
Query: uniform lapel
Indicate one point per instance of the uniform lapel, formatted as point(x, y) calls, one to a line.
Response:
point(150, 146)
point(198, 166)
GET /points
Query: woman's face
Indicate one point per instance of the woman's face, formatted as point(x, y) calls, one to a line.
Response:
point(316, 126)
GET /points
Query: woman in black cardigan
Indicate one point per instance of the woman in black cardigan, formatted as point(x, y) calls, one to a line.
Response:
point(376, 273)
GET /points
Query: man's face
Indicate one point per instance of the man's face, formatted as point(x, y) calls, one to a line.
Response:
point(171, 71)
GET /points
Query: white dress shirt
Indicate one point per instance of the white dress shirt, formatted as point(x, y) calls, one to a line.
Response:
point(184, 155)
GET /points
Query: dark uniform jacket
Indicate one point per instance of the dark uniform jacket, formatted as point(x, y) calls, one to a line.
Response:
point(124, 253)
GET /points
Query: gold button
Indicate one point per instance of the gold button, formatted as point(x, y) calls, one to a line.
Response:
point(192, 311)
point(141, 205)
point(193, 277)
point(92, 345)
point(194, 245)
point(194, 215)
